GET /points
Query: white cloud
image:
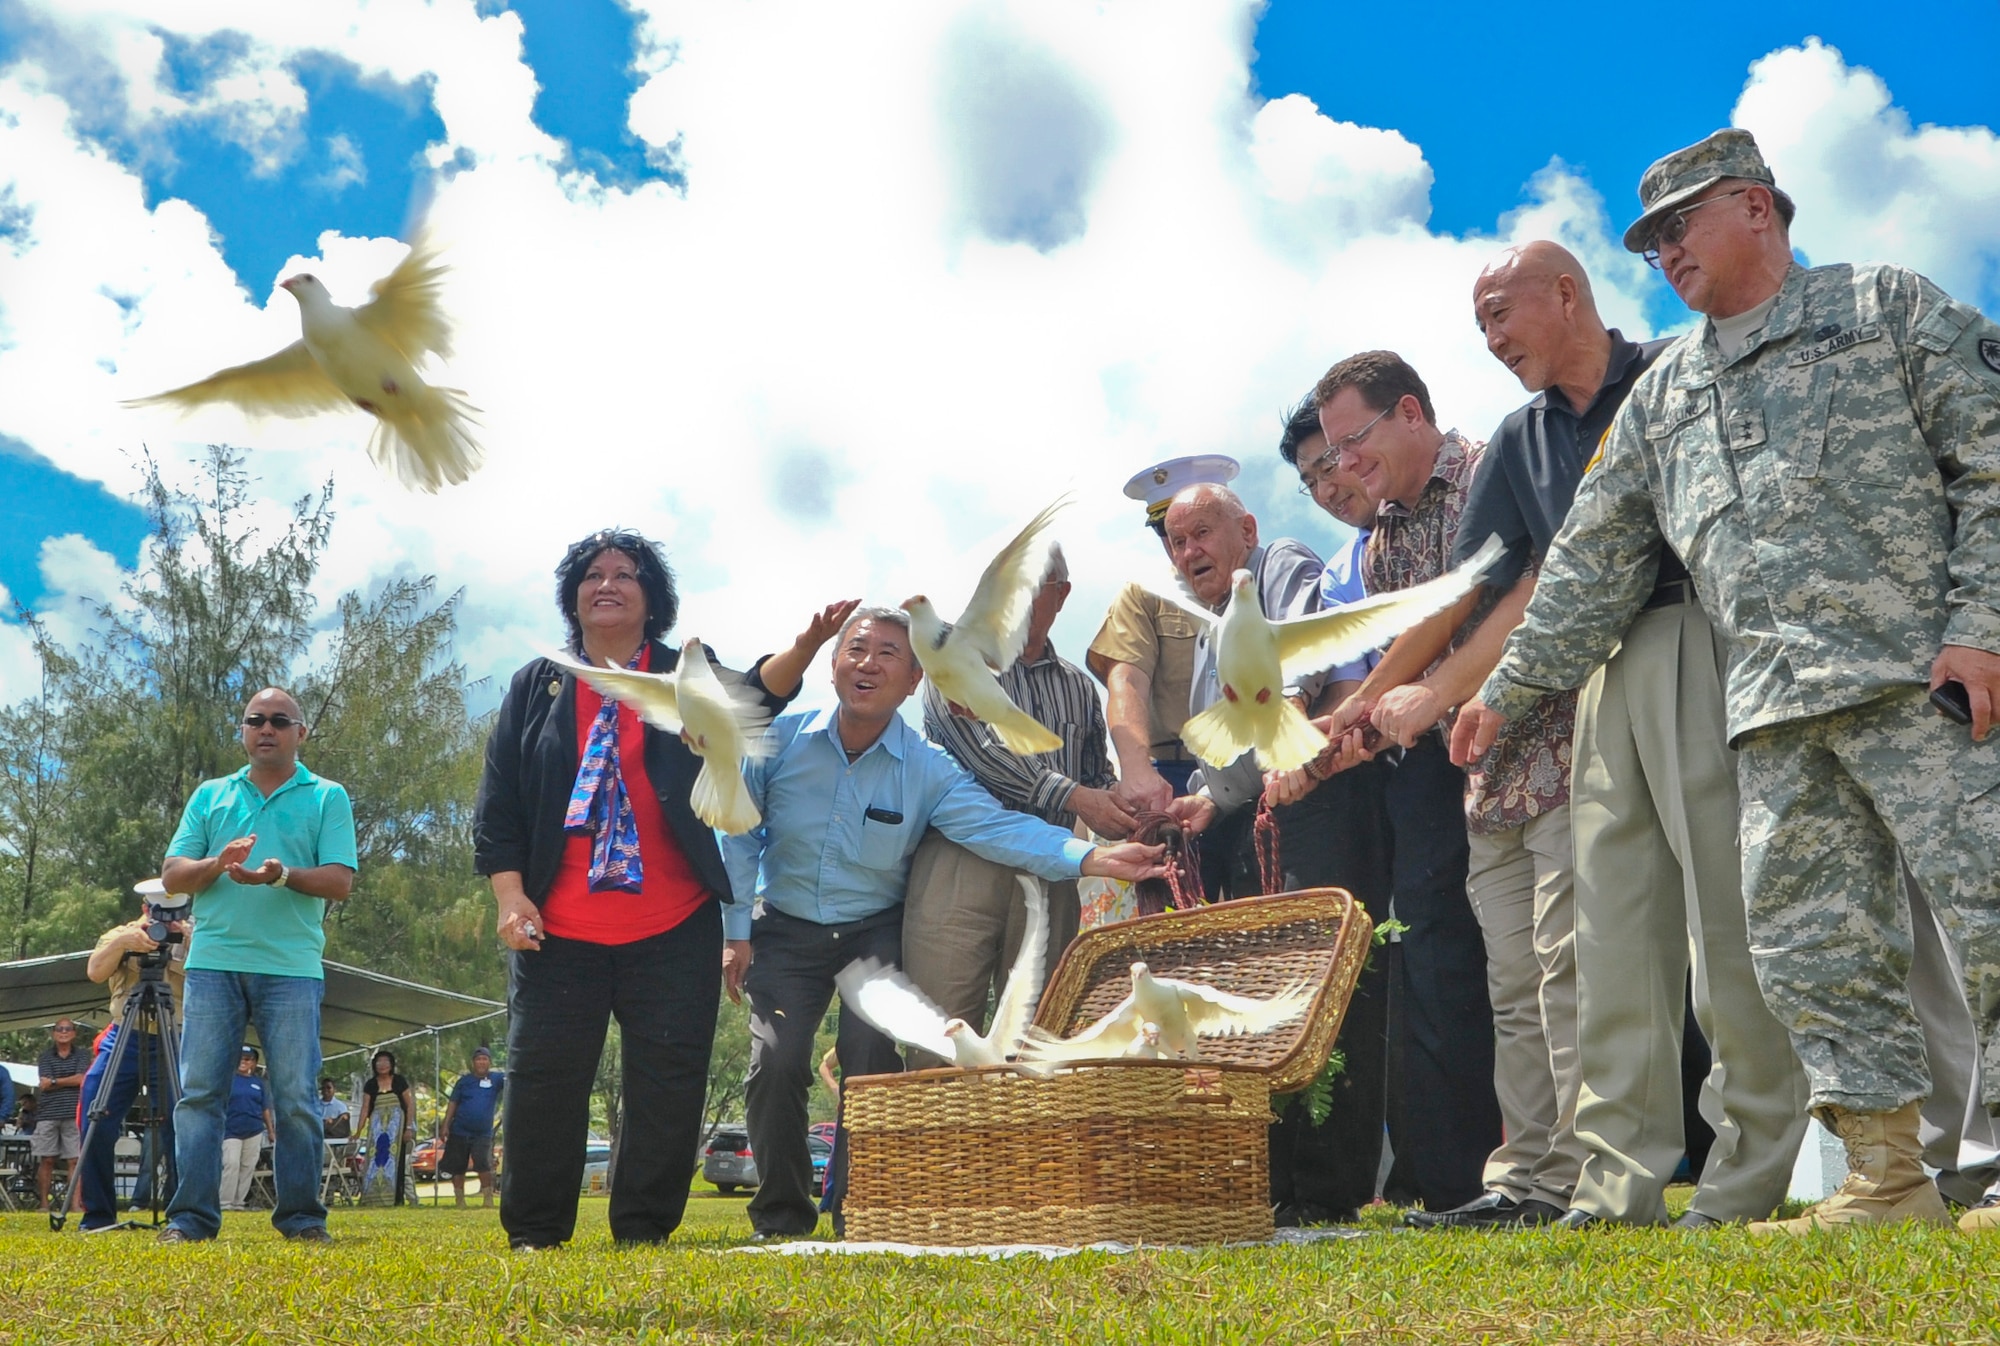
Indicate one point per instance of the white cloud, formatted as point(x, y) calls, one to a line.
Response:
point(933, 263)
point(1870, 187)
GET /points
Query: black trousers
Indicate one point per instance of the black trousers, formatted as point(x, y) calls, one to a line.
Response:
point(1338, 837)
point(560, 998)
point(792, 966)
point(1451, 1119)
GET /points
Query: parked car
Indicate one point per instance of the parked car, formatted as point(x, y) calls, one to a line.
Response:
point(424, 1160)
point(728, 1163)
point(824, 1130)
point(596, 1167)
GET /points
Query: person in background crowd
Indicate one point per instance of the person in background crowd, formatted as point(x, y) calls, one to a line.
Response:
point(387, 1126)
point(468, 1126)
point(245, 1128)
point(333, 1114)
point(59, 1073)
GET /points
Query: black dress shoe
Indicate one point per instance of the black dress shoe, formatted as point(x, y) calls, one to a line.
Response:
point(314, 1233)
point(1580, 1219)
point(1494, 1215)
point(1693, 1222)
point(1303, 1214)
point(1485, 1205)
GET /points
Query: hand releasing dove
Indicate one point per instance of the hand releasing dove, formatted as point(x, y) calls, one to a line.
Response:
point(722, 727)
point(364, 357)
point(1255, 657)
point(891, 1002)
point(965, 658)
point(1164, 1017)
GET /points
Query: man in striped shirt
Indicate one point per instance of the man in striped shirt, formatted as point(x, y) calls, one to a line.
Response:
point(963, 916)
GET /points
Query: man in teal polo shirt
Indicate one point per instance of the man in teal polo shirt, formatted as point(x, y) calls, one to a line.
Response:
point(262, 851)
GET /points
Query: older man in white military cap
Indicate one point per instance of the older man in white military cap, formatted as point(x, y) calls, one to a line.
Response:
point(1823, 451)
point(1144, 652)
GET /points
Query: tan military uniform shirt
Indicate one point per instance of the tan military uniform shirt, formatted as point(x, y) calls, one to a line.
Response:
point(126, 975)
point(1148, 632)
point(1834, 489)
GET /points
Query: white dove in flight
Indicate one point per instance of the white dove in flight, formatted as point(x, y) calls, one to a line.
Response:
point(892, 1003)
point(364, 357)
point(720, 725)
point(965, 658)
point(1164, 1016)
point(1255, 658)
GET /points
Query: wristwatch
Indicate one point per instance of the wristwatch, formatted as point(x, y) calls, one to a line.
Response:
point(284, 878)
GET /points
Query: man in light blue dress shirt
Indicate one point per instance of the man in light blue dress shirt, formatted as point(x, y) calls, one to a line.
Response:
point(846, 795)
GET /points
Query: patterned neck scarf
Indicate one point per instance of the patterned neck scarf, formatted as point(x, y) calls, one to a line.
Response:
point(600, 808)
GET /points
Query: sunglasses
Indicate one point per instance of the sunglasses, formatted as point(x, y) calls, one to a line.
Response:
point(275, 721)
point(1674, 226)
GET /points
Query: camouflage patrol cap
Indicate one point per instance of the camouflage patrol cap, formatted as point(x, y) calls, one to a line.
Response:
point(1686, 173)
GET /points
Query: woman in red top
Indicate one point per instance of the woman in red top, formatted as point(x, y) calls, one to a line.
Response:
point(608, 889)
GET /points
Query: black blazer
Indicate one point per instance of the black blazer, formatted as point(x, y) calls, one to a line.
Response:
point(531, 769)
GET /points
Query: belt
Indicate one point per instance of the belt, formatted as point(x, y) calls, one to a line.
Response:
point(1671, 594)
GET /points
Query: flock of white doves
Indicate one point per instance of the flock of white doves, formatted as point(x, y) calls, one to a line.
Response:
point(368, 356)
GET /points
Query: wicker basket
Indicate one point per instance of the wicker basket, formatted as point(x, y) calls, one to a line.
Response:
point(1136, 1151)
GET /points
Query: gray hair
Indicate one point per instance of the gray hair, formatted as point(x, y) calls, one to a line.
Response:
point(894, 616)
point(1058, 571)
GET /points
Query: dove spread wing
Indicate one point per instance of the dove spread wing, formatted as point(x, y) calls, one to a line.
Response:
point(1016, 1005)
point(890, 1002)
point(995, 622)
point(653, 695)
point(1112, 1035)
point(1212, 1013)
point(404, 308)
point(289, 383)
point(1309, 644)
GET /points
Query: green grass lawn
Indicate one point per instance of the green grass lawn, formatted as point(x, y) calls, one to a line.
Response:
point(400, 1278)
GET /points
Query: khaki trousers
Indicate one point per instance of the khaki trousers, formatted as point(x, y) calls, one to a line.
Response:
point(1654, 806)
point(963, 920)
point(1958, 1134)
point(239, 1167)
point(1519, 882)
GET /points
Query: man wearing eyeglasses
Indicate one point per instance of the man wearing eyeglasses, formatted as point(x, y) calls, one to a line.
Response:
point(262, 851)
point(1823, 451)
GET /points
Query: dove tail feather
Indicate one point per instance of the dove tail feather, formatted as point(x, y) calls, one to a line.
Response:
point(722, 800)
point(1220, 734)
point(1023, 733)
point(1294, 741)
point(429, 445)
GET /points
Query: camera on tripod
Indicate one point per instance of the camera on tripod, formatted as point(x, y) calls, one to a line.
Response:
point(162, 910)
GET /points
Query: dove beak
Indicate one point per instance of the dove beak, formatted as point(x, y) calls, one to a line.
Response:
point(910, 604)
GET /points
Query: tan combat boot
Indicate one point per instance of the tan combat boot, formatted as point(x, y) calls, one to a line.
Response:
point(1886, 1183)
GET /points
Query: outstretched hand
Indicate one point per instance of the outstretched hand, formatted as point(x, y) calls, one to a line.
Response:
point(1128, 860)
point(825, 624)
point(1475, 731)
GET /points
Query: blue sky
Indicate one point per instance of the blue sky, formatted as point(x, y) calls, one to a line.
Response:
point(281, 135)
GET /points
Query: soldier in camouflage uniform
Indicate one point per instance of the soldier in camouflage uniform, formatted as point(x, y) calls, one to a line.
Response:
point(1824, 452)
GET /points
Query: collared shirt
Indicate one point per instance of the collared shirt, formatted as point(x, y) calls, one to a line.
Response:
point(1061, 696)
point(304, 823)
point(125, 976)
point(1287, 575)
point(1146, 631)
point(248, 1102)
point(477, 1098)
point(1526, 771)
point(1341, 583)
point(1834, 489)
point(1530, 470)
point(837, 836)
point(1523, 487)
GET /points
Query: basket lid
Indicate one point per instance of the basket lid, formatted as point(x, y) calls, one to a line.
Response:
point(1254, 946)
